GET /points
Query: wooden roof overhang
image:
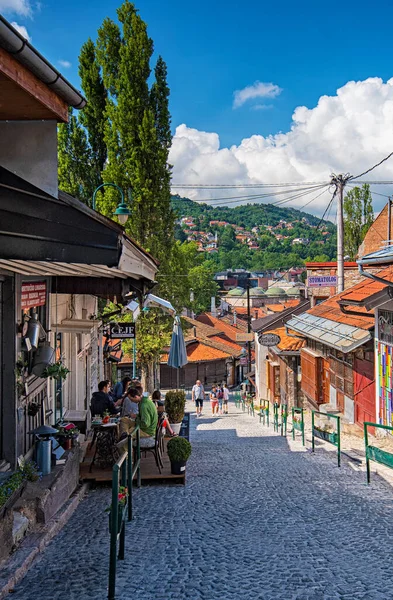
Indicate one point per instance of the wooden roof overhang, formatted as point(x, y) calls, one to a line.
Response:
point(24, 97)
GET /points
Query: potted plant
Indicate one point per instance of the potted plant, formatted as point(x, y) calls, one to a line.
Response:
point(56, 371)
point(179, 451)
point(122, 502)
point(175, 402)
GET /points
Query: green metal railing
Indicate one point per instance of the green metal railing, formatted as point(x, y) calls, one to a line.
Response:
point(374, 453)
point(243, 399)
point(298, 422)
point(123, 473)
point(264, 412)
point(250, 405)
point(332, 437)
point(280, 410)
point(238, 399)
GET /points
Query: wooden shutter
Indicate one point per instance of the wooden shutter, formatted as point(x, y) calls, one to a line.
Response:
point(311, 376)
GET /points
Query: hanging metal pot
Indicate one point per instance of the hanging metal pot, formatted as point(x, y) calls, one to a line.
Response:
point(44, 357)
point(33, 331)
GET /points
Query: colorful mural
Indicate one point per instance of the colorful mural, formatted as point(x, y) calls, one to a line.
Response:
point(385, 362)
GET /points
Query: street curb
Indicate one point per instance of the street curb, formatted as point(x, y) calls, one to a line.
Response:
point(18, 564)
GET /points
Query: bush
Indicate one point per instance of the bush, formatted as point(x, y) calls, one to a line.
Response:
point(179, 449)
point(175, 402)
point(27, 471)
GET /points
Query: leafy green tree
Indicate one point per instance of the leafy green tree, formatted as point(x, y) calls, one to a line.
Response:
point(358, 217)
point(74, 159)
point(137, 130)
point(187, 270)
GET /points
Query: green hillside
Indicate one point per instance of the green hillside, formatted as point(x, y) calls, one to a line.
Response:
point(246, 215)
point(276, 244)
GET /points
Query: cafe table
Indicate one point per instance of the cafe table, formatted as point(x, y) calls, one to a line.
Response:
point(105, 438)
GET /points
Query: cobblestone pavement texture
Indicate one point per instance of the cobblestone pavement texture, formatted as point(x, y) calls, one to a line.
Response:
point(260, 518)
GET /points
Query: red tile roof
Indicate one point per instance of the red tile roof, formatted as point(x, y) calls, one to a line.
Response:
point(330, 309)
point(368, 287)
point(199, 351)
point(221, 325)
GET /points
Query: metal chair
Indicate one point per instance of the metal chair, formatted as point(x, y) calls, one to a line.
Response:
point(155, 447)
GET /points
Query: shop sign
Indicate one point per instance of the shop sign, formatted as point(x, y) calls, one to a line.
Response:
point(243, 361)
point(322, 281)
point(244, 337)
point(122, 331)
point(269, 339)
point(385, 326)
point(33, 294)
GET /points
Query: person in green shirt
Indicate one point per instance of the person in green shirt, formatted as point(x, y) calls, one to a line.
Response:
point(147, 419)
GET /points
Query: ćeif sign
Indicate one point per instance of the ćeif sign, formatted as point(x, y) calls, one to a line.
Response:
point(122, 331)
point(322, 281)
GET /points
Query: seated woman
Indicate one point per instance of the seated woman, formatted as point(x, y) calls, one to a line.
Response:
point(162, 416)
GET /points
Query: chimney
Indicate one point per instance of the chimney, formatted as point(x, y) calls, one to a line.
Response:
point(195, 332)
point(213, 309)
point(234, 318)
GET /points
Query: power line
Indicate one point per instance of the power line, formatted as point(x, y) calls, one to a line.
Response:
point(227, 199)
point(299, 193)
point(241, 186)
point(372, 168)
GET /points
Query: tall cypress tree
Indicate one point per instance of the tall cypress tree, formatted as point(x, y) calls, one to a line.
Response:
point(74, 159)
point(159, 100)
point(93, 117)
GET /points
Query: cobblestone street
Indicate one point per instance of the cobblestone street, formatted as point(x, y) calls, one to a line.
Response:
point(259, 518)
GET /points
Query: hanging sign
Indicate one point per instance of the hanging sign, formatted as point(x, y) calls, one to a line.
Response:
point(244, 337)
point(322, 281)
point(122, 331)
point(269, 339)
point(244, 361)
point(33, 294)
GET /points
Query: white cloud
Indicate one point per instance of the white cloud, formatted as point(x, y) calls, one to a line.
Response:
point(257, 90)
point(22, 30)
point(348, 132)
point(65, 63)
point(18, 7)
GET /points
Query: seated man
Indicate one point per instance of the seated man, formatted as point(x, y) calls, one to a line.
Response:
point(101, 401)
point(146, 418)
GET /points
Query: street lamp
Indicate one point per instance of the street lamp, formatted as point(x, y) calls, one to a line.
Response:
point(122, 211)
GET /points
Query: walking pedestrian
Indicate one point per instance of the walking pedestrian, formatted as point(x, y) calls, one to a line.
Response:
point(198, 396)
point(226, 398)
point(220, 398)
point(214, 400)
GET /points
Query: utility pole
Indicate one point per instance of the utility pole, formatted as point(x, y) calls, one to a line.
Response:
point(339, 182)
point(389, 221)
point(248, 326)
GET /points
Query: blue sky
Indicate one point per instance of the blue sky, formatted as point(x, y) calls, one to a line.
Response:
point(214, 47)
point(303, 54)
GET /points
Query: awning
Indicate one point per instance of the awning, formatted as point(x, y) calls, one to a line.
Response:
point(344, 338)
point(83, 251)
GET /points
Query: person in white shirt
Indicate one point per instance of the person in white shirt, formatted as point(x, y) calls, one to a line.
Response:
point(198, 396)
point(225, 398)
